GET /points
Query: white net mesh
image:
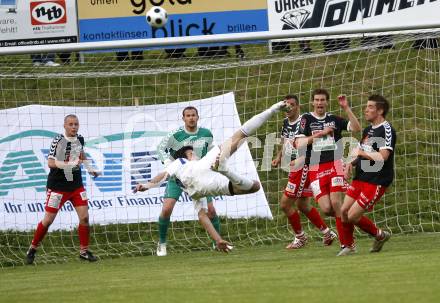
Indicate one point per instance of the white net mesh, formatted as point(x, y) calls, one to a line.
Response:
point(405, 68)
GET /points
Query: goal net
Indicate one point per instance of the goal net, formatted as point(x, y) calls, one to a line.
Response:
point(142, 94)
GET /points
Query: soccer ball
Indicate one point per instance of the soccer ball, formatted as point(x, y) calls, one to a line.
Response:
point(157, 16)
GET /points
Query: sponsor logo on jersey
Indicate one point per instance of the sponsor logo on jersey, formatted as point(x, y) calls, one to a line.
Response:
point(54, 199)
point(83, 195)
point(290, 187)
point(303, 123)
point(337, 181)
point(331, 124)
point(316, 188)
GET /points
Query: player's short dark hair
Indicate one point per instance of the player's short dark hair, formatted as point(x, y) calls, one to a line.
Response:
point(381, 103)
point(321, 91)
point(70, 116)
point(189, 108)
point(181, 153)
point(294, 97)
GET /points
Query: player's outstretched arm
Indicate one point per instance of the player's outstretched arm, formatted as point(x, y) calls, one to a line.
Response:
point(161, 149)
point(355, 126)
point(88, 166)
point(380, 156)
point(222, 245)
point(277, 160)
point(156, 181)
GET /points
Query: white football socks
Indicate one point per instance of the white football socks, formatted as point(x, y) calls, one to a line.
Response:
point(251, 126)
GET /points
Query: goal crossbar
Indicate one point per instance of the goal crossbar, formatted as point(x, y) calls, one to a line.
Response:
point(210, 39)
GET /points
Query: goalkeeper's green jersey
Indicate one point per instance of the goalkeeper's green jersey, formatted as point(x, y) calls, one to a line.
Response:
point(200, 140)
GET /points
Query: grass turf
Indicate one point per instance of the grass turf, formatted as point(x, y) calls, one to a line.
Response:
point(407, 77)
point(405, 271)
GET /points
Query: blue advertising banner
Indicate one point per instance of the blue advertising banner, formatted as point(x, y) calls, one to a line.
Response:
point(179, 25)
point(125, 20)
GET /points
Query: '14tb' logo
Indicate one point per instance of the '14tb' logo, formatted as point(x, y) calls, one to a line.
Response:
point(48, 12)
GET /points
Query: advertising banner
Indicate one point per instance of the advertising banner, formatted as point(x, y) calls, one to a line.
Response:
point(125, 20)
point(121, 142)
point(324, 14)
point(37, 22)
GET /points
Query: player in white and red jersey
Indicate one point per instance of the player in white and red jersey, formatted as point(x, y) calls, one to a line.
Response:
point(374, 172)
point(321, 133)
point(297, 192)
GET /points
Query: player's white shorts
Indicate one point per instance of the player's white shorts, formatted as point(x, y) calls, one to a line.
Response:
point(206, 182)
point(200, 204)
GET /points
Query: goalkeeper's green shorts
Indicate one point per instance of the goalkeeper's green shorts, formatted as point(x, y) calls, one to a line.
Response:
point(173, 191)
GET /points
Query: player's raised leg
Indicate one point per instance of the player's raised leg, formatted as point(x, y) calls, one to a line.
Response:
point(242, 185)
point(247, 129)
point(239, 184)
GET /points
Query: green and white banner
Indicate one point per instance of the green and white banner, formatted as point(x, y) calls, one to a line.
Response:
point(121, 141)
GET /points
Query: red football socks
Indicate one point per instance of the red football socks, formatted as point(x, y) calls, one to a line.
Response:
point(295, 222)
point(314, 217)
point(368, 226)
point(340, 229)
point(348, 234)
point(39, 235)
point(83, 233)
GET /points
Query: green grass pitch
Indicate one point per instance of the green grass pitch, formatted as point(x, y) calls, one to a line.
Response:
point(407, 270)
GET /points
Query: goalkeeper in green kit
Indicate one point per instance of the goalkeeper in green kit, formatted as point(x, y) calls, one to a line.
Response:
point(201, 140)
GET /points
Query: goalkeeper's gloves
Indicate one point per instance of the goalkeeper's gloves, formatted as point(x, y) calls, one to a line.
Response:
point(88, 165)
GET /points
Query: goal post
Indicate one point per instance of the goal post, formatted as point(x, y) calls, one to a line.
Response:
point(228, 89)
